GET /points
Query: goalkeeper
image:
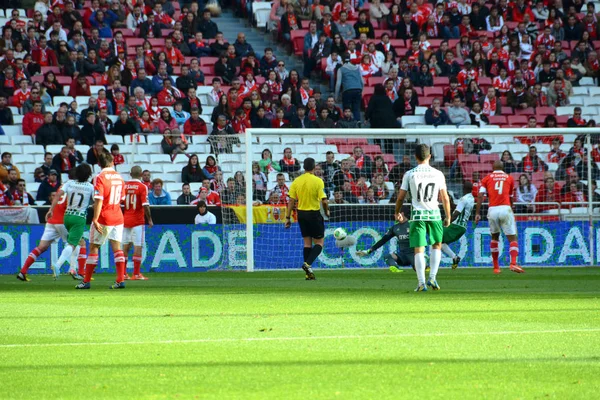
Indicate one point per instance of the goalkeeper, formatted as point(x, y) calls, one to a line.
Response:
point(404, 255)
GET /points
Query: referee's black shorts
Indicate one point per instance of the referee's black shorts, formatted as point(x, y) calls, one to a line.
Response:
point(311, 224)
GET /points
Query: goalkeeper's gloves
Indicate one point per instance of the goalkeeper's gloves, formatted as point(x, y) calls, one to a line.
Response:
point(362, 253)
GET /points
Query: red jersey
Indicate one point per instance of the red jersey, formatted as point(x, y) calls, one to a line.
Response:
point(499, 187)
point(136, 197)
point(58, 215)
point(108, 187)
point(20, 97)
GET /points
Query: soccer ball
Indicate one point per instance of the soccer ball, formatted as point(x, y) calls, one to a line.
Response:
point(340, 234)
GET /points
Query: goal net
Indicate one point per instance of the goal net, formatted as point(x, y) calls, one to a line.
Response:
point(556, 197)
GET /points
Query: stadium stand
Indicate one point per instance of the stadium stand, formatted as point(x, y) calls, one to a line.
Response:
point(155, 77)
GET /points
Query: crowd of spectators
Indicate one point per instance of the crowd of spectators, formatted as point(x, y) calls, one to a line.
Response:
point(497, 59)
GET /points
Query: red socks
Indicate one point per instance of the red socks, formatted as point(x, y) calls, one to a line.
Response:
point(137, 265)
point(514, 252)
point(35, 253)
point(120, 265)
point(81, 261)
point(495, 253)
point(91, 263)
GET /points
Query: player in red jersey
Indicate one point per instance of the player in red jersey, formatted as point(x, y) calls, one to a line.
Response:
point(137, 212)
point(53, 231)
point(500, 187)
point(107, 222)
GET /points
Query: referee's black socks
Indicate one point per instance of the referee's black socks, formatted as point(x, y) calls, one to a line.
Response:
point(307, 251)
point(312, 253)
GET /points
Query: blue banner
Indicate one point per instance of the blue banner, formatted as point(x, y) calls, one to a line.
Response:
point(171, 248)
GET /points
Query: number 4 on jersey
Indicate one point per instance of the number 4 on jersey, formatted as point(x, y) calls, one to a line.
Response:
point(499, 186)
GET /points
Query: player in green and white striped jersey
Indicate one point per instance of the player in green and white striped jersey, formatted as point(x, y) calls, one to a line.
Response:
point(79, 193)
point(460, 218)
point(425, 184)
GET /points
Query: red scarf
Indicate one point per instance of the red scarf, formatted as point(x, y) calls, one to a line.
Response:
point(489, 107)
point(66, 164)
point(312, 114)
point(102, 104)
point(360, 162)
point(305, 94)
point(290, 161)
point(292, 21)
point(145, 125)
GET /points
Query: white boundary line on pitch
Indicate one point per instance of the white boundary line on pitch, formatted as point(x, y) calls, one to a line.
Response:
point(301, 338)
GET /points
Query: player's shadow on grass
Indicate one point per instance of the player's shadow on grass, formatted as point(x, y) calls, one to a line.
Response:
point(300, 314)
point(308, 363)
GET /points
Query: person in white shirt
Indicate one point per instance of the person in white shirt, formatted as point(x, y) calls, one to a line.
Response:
point(332, 62)
point(204, 216)
point(62, 35)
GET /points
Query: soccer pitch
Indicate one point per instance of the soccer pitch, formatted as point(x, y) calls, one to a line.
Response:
point(272, 335)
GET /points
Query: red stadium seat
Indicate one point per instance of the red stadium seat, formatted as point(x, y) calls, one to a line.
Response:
point(345, 148)
point(208, 61)
point(336, 141)
point(298, 41)
point(400, 43)
point(526, 111)
point(468, 158)
point(545, 111)
point(433, 91)
point(498, 120)
point(134, 41)
point(367, 94)
point(488, 158)
point(56, 70)
point(485, 81)
point(449, 155)
point(207, 70)
point(374, 80)
point(371, 149)
point(64, 80)
point(518, 120)
point(358, 141)
point(442, 81)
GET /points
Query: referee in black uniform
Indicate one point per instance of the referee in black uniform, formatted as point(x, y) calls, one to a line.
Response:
point(308, 192)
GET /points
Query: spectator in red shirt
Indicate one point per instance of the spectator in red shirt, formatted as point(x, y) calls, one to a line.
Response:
point(195, 125)
point(173, 54)
point(240, 122)
point(80, 87)
point(548, 193)
point(169, 95)
point(33, 120)
point(44, 55)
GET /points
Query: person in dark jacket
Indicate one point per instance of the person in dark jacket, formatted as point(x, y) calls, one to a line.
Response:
point(91, 131)
point(259, 120)
point(125, 125)
point(186, 196)
point(192, 172)
point(380, 114)
point(48, 186)
point(407, 28)
point(224, 68)
point(207, 26)
point(94, 152)
point(405, 105)
point(64, 161)
point(300, 120)
point(436, 115)
point(6, 115)
point(71, 130)
point(48, 133)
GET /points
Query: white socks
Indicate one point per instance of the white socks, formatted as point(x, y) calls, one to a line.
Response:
point(420, 267)
point(448, 251)
point(434, 262)
point(73, 261)
point(66, 253)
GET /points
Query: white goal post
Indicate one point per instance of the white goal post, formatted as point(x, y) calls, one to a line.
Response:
point(429, 135)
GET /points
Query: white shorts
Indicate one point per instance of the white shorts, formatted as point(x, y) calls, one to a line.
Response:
point(135, 235)
point(501, 218)
point(53, 232)
point(110, 233)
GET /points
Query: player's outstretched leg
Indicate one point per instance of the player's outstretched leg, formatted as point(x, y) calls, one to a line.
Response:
point(448, 251)
point(391, 261)
point(22, 275)
point(64, 255)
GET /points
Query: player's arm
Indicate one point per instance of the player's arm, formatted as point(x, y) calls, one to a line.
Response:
point(55, 201)
point(446, 205)
point(400, 202)
point(148, 215)
point(480, 196)
point(97, 210)
point(389, 235)
point(288, 214)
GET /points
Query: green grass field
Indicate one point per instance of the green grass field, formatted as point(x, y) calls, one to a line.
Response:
point(273, 335)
